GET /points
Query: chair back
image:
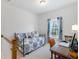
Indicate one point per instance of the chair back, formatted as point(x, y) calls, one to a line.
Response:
point(68, 38)
point(51, 42)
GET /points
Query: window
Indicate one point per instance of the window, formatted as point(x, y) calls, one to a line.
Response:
point(54, 28)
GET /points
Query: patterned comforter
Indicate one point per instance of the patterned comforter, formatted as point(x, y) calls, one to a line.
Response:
point(28, 45)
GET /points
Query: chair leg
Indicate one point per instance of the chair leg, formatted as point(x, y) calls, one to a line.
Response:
point(55, 55)
point(51, 55)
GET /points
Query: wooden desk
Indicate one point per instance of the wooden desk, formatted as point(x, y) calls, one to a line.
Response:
point(60, 51)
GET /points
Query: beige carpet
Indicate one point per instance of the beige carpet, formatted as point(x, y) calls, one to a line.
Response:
point(41, 53)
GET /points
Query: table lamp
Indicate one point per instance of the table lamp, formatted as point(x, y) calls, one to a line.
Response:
point(75, 29)
point(74, 43)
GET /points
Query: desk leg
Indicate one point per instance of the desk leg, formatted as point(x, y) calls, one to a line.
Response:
point(51, 55)
point(55, 55)
point(65, 58)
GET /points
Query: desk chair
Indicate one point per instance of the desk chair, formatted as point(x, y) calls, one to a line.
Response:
point(51, 42)
point(68, 38)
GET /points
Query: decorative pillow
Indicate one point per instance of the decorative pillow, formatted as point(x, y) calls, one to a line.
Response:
point(29, 34)
point(35, 34)
point(20, 36)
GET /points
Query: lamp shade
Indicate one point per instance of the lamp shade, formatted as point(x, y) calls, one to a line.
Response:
point(43, 2)
point(75, 27)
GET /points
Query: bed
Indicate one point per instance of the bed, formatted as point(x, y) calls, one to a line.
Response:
point(28, 42)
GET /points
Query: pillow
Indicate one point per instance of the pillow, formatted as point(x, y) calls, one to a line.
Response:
point(32, 34)
point(29, 35)
point(20, 36)
point(35, 34)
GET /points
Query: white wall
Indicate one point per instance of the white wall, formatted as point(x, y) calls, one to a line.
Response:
point(69, 14)
point(14, 20)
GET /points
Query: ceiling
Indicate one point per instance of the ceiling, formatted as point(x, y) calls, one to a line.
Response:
point(35, 6)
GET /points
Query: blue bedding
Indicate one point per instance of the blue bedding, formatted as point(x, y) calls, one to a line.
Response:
point(26, 45)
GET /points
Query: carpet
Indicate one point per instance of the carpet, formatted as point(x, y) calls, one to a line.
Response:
point(41, 53)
